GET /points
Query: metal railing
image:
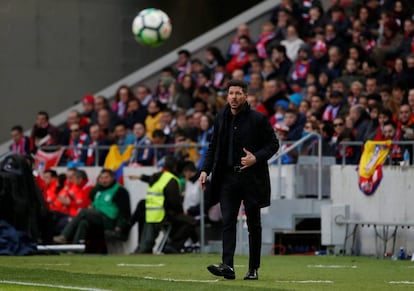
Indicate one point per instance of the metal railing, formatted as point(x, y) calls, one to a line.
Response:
point(295, 145)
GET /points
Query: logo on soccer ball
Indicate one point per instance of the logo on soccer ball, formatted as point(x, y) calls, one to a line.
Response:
point(151, 27)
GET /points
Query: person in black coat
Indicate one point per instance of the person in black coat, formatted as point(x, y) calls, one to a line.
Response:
point(242, 142)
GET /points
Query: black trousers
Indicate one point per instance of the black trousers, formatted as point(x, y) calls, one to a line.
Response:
point(232, 193)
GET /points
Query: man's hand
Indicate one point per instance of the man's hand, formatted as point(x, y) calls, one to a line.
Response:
point(203, 179)
point(248, 160)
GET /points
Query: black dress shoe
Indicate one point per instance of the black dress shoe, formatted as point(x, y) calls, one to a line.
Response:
point(252, 275)
point(222, 270)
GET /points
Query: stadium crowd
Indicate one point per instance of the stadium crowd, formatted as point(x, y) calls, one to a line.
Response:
point(346, 73)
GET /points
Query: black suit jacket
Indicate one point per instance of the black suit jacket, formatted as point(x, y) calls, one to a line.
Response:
point(259, 138)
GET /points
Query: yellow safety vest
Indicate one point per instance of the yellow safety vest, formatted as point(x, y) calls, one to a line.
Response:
point(154, 201)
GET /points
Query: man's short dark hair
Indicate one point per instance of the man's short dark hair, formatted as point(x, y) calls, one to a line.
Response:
point(52, 173)
point(45, 114)
point(108, 171)
point(170, 163)
point(158, 133)
point(81, 174)
point(189, 166)
point(390, 122)
point(184, 52)
point(238, 83)
point(17, 128)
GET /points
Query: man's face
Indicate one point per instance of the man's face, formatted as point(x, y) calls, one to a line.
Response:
point(105, 179)
point(404, 113)
point(316, 103)
point(103, 117)
point(74, 131)
point(139, 130)
point(236, 98)
point(389, 132)
point(16, 135)
point(371, 86)
point(94, 132)
point(40, 120)
point(290, 119)
point(120, 132)
point(72, 118)
point(47, 178)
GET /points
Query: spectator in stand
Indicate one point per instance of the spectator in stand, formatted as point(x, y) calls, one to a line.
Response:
point(97, 155)
point(360, 120)
point(76, 154)
point(159, 138)
point(167, 121)
point(213, 58)
point(74, 117)
point(50, 179)
point(102, 103)
point(393, 133)
point(135, 113)
point(341, 22)
point(280, 109)
point(204, 136)
point(397, 73)
point(185, 149)
point(336, 106)
point(122, 138)
point(319, 55)
point(79, 192)
point(162, 92)
point(371, 70)
point(241, 59)
point(21, 144)
point(310, 146)
point(106, 124)
point(185, 92)
point(372, 128)
point(110, 211)
point(88, 103)
point(351, 154)
point(43, 132)
point(356, 90)
point(295, 122)
point(338, 127)
point(234, 49)
point(398, 92)
point(272, 93)
point(63, 198)
point(314, 22)
point(332, 38)
point(281, 62)
point(317, 105)
point(291, 6)
point(391, 41)
point(292, 42)
point(300, 69)
point(371, 86)
point(410, 99)
point(152, 121)
point(266, 35)
point(409, 72)
point(304, 107)
point(143, 94)
point(406, 121)
point(292, 156)
point(183, 66)
point(334, 67)
point(120, 104)
point(351, 73)
point(143, 153)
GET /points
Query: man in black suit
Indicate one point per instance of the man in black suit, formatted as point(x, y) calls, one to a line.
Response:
point(243, 141)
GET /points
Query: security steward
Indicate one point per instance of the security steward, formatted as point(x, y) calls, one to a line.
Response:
point(163, 206)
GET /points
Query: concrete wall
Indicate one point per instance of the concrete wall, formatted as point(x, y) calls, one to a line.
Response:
point(55, 51)
point(392, 202)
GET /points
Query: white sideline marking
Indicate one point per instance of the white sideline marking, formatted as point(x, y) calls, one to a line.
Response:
point(140, 265)
point(181, 280)
point(402, 282)
point(51, 286)
point(332, 266)
point(62, 264)
point(308, 281)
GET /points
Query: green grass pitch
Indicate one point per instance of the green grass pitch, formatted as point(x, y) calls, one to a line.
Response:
point(188, 272)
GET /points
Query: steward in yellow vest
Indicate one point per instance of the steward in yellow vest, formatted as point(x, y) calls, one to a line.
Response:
point(163, 204)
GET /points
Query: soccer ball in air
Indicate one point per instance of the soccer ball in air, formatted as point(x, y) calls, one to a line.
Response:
point(151, 27)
